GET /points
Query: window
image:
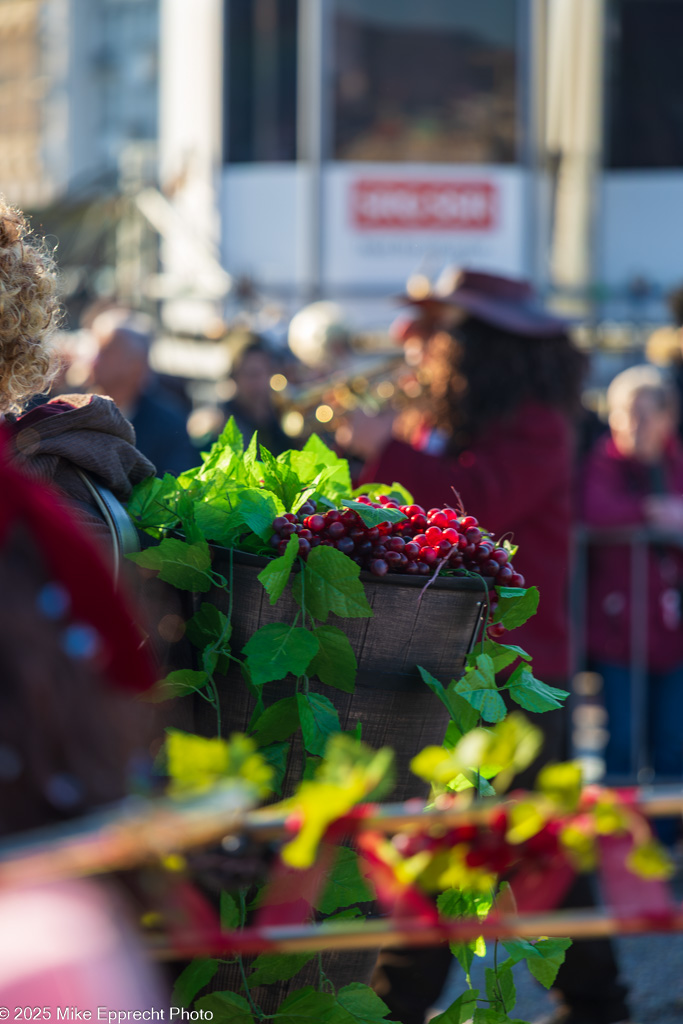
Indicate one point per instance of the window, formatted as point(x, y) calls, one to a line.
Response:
point(260, 80)
point(645, 84)
point(433, 80)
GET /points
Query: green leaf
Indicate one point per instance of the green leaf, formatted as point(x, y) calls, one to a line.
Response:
point(533, 695)
point(305, 1004)
point(217, 521)
point(277, 722)
point(545, 968)
point(176, 684)
point(345, 884)
point(186, 566)
point(461, 712)
point(515, 605)
point(502, 655)
point(196, 763)
point(460, 1011)
point(454, 903)
point(280, 479)
point(270, 967)
point(335, 663)
point(491, 1016)
point(500, 989)
point(226, 1006)
point(372, 516)
point(319, 720)
point(478, 687)
point(149, 501)
point(277, 649)
point(330, 583)
point(229, 912)
point(257, 511)
point(518, 950)
point(192, 980)
point(275, 575)
point(362, 1004)
point(276, 754)
point(209, 627)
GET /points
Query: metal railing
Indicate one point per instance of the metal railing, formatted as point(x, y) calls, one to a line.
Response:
point(638, 540)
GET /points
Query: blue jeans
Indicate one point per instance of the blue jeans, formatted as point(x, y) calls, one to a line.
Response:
point(664, 710)
point(664, 719)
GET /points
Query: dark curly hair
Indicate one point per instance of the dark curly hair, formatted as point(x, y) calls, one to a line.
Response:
point(482, 374)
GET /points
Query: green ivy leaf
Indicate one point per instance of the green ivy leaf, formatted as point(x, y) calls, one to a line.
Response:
point(319, 720)
point(229, 912)
point(257, 510)
point(362, 1004)
point(533, 695)
point(270, 967)
point(209, 627)
point(330, 583)
point(545, 968)
point(305, 1004)
point(500, 989)
point(280, 479)
point(192, 980)
point(345, 884)
point(217, 520)
point(478, 687)
point(335, 663)
point(461, 712)
point(372, 516)
point(518, 950)
point(176, 684)
point(226, 1006)
point(186, 566)
point(502, 655)
point(276, 754)
point(277, 722)
point(275, 575)
point(460, 1011)
point(147, 505)
point(277, 649)
point(515, 605)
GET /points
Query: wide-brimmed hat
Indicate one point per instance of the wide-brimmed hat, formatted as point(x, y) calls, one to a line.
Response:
point(505, 302)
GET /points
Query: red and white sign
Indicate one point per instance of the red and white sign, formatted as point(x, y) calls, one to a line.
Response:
point(404, 205)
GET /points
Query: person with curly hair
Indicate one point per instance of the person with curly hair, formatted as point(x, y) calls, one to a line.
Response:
point(58, 441)
point(499, 436)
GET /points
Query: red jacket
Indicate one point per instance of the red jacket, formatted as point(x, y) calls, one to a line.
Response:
point(612, 495)
point(516, 479)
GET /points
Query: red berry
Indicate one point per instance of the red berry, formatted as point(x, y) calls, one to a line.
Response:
point(468, 521)
point(500, 555)
point(384, 499)
point(412, 569)
point(393, 558)
point(396, 544)
point(332, 516)
point(438, 518)
point(305, 534)
point(279, 522)
point(420, 539)
point(275, 540)
point(451, 535)
point(455, 560)
point(350, 518)
point(504, 575)
point(346, 546)
point(419, 521)
point(433, 535)
point(423, 569)
point(336, 530)
point(379, 567)
point(490, 568)
point(451, 514)
point(287, 530)
point(468, 550)
point(444, 548)
point(428, 556)
point(411, 550)
point(414, 510)
point(304, 546)
point(495, 630)
point(315, 523)
point(473, 535)
point(516, 580)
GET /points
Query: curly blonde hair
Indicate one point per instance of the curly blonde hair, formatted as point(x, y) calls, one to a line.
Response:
point(29, 312)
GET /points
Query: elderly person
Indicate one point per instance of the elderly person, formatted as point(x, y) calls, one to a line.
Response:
point(53, 442)
point(121, 371)
point(634, 477)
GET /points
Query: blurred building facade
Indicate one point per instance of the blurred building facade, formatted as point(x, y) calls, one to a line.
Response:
point(78, 82)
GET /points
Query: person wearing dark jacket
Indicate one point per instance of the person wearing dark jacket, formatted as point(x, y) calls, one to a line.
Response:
point(504, 384)
point(634, 478)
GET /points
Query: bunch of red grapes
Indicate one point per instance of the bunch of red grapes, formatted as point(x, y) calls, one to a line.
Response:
point(415, 546)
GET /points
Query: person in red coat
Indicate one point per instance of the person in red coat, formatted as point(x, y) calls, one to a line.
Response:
point(634, 477)
point(504, 384)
